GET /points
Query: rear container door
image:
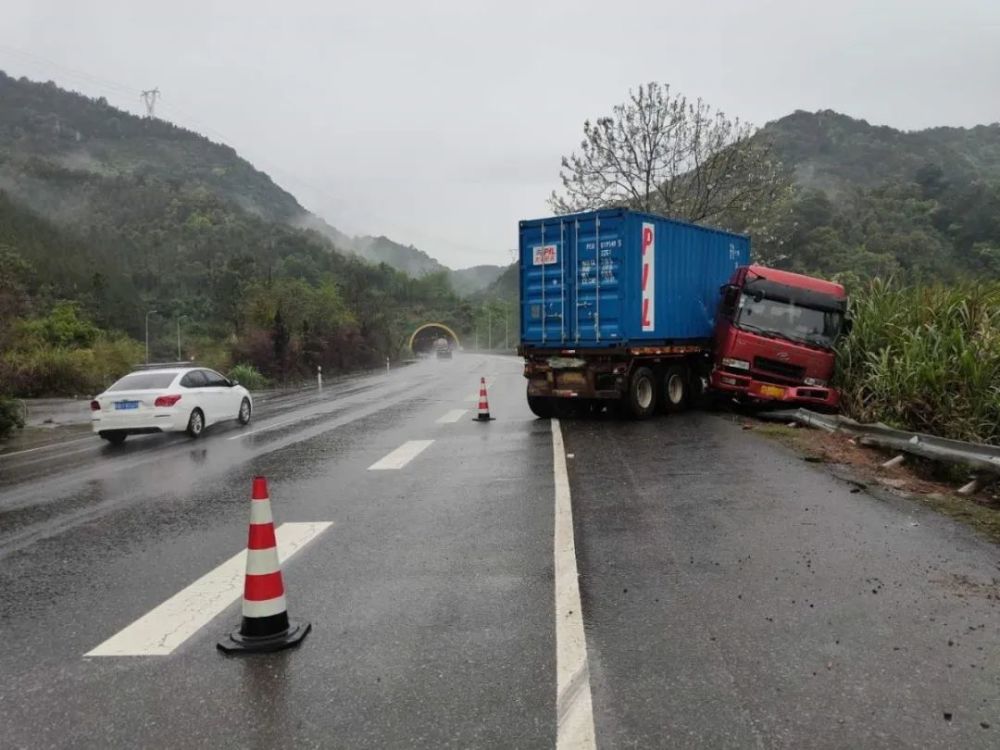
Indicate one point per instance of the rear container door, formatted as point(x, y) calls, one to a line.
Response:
point(545, 278)
point(598, 254)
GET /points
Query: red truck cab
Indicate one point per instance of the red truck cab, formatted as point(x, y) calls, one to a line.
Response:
point(774, 337)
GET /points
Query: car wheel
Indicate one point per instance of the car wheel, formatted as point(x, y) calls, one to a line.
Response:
point(641, 397)
point(244, 415)
point(115, 438)
point(196, 423)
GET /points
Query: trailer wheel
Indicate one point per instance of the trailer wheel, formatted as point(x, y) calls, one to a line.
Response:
point(642, 393)
point(541, 406)
point(676, 388)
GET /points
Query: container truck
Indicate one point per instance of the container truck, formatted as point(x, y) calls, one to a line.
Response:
point(637, 309)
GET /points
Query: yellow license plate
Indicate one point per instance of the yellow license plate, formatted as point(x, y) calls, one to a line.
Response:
point(772, 390)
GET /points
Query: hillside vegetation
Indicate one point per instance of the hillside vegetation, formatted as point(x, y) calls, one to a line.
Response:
point(105, 217)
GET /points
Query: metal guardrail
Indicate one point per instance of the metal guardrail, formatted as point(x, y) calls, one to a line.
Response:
point(983, 458)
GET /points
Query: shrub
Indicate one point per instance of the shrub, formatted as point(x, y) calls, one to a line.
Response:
point(10, 417)
point(249, 377)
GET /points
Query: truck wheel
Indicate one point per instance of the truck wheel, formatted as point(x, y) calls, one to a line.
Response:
point(676, 388)
point(541, 406)
point(641, 396)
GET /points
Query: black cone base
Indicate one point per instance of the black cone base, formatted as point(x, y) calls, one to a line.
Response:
point(483, 418)
point(237, 643)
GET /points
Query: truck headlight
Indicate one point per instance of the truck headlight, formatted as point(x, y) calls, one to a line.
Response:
point(814, 382)
point(739, 364)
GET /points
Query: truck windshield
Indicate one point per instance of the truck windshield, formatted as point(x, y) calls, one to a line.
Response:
point(788, 320)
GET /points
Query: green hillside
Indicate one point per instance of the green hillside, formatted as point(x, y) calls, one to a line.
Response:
point(105, 216)
point(875, 201)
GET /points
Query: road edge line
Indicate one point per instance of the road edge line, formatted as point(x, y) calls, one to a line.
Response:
point(574, 706)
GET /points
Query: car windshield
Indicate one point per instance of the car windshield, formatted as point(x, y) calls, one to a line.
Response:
point(144, 381)
point(789, 320)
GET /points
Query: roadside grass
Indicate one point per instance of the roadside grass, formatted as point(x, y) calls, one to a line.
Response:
point(925, 359)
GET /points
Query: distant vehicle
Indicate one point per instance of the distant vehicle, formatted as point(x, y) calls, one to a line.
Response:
point(168, 399)
point(634, 308)
point(442, 348)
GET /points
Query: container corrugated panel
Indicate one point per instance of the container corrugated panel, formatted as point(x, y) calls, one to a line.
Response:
point(613, 277)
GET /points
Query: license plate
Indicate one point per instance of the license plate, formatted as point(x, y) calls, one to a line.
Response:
point(126, 405)
point(772, 390)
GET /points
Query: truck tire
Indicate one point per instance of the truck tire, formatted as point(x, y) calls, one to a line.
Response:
point(541, 406)
point(676, 388)
point(641, 396)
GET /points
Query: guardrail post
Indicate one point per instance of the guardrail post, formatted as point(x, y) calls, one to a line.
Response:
point(319, 377)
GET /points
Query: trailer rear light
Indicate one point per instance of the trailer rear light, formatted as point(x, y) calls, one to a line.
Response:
point(95, 405)
point(738, 364)
point(167, 400)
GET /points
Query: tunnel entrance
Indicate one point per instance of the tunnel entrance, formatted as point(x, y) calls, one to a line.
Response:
point(424, 340)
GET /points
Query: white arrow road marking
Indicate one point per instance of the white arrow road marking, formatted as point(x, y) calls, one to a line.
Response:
point(401, 456)
point(163, 629)
point(574, 710)
point(452, 416)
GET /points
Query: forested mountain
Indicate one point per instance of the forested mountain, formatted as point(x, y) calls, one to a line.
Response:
point(837, 154)
point(50, 139)
point(105, 217)
point(874, 201)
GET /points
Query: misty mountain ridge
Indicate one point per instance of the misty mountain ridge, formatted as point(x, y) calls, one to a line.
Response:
point(50, 138)
point(836, 153)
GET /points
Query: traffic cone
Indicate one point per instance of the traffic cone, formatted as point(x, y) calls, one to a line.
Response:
point(265, 625)
point(484, 404)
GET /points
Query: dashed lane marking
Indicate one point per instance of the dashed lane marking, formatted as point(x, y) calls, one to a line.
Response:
point(574, 708)
point(401, 456)
point(163, 629)
point(452, 416)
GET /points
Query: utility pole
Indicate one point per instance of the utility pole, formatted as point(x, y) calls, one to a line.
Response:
point(149, 99)
point(148, 313)
point(506, 327)
point(179, 336)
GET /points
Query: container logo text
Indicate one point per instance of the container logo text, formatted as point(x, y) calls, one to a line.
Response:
point(544, 255)
point(648, 277)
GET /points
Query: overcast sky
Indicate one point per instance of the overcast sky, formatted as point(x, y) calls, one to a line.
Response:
point(442, 124)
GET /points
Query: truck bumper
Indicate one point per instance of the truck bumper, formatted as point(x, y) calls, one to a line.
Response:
point(747, 386)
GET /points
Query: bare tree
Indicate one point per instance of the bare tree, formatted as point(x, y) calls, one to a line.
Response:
point(663, 154)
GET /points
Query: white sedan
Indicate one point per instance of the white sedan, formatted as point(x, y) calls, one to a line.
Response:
point(171, 399)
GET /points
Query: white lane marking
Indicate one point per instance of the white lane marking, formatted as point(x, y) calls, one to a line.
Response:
point(452, 416)
point(161, 630)
point(50, 446)
point(574, 709)
point(401, 456)
point(266, 428)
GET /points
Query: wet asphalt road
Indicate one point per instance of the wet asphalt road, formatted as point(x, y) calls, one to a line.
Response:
point(733, 595)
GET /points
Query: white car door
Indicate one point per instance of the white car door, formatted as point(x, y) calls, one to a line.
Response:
point(219, 394)
point(196, 393)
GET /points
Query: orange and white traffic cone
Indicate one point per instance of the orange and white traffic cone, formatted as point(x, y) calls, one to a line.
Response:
point(265, 625)
point(484, 404)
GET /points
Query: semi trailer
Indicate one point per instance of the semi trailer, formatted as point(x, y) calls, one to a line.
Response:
point(619, 306)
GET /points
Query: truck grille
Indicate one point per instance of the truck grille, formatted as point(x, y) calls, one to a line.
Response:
point(779, 368)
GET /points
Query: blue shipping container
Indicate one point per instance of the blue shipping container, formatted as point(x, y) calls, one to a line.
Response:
point(612, 277)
